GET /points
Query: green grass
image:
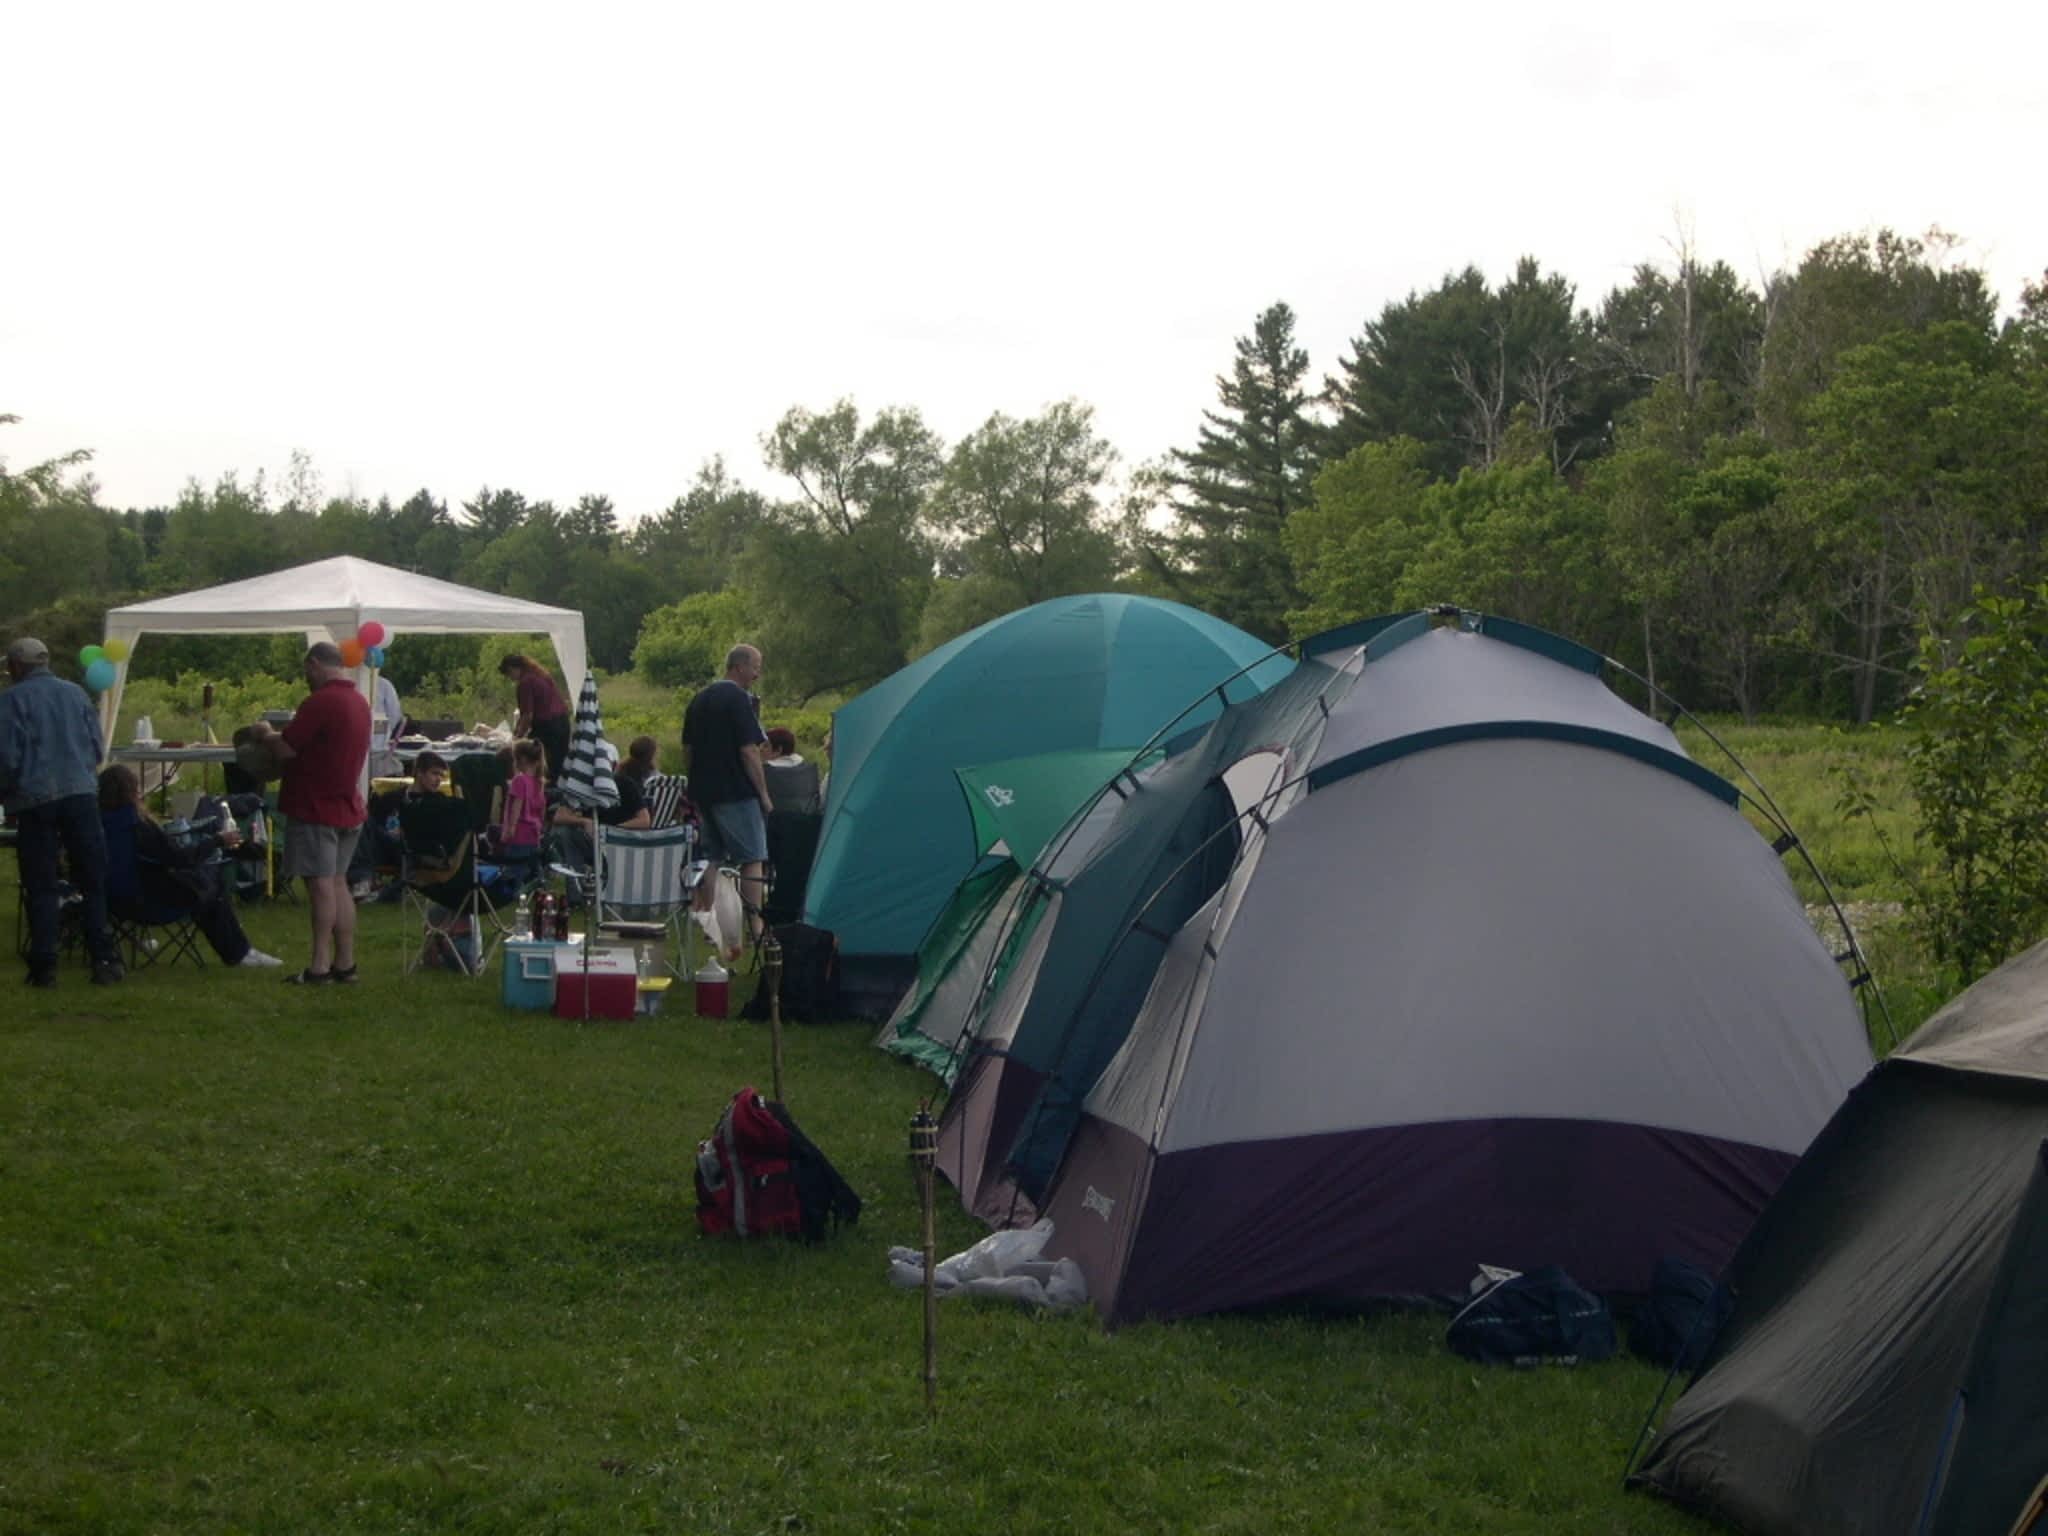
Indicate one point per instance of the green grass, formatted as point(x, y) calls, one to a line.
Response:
point(389, 1259)
point(1806, 768)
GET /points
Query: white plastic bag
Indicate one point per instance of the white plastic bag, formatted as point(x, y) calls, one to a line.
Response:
point(1003, 1265)
point(723, 923)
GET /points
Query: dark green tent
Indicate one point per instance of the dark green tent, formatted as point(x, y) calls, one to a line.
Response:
point(1017, 807)
point(1886, 1366)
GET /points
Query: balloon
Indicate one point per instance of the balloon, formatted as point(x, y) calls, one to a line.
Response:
point(116, 650)
point(89, 655)
point(376, 655)
point(351, 653)
point(371, 634)
point(99, 676)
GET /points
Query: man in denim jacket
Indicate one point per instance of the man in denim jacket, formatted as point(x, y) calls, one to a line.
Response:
point(49, 768)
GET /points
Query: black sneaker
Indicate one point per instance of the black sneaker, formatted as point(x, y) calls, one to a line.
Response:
point(40, 979)
point(108, 972)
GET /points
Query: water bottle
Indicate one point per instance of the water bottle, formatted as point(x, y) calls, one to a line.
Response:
point(522, 921)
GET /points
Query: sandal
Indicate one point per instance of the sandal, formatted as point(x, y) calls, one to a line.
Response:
point(308, 978)
point(344, 974)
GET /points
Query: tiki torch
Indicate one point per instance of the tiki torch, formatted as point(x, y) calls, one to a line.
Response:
point(924, 1157)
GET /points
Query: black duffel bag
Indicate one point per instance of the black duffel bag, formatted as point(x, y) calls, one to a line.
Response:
point(1541, 1318)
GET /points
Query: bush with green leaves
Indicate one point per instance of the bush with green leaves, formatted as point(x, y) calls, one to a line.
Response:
point(684, 645)
point(1978, 768)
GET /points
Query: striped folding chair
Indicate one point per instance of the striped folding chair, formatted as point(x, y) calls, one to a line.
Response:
point(663, 794)
point(642, 878)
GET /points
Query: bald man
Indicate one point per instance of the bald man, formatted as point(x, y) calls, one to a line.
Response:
point(722, 735)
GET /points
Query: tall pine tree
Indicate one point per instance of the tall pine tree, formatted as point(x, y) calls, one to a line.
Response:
point(1248, 472)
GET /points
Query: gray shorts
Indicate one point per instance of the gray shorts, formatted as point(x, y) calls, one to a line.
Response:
point(734, 833)
point(313, 852)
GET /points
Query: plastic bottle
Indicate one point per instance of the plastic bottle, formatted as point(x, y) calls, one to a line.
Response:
point(714, 989)
point(522, 921)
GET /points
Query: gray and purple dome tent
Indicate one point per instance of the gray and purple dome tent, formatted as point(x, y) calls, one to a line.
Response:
point(1438, 953)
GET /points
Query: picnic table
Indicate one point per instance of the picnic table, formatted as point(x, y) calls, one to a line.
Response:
point(169, 761)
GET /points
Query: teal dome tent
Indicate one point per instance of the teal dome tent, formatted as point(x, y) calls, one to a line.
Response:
point(1072, 673)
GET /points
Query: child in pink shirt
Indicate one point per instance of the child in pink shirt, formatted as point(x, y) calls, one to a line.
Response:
point(525, 806)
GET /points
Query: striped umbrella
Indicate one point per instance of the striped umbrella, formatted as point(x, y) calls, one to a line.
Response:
point(588, 785)
point(587, 781)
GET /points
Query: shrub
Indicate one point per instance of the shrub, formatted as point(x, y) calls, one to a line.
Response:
point(1979, 776)
point(684, 645)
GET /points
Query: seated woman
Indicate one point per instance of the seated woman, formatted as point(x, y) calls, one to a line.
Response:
point(178, 875)
point(667, 803)
point(642, 762)
point(572, 838)
point(792, 783)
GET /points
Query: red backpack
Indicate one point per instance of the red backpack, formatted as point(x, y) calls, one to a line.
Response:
point(759, 1175)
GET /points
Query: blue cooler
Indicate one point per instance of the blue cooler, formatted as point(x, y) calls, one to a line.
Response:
point(530, 973)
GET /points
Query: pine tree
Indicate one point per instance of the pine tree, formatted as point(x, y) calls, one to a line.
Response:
point(1248, 473)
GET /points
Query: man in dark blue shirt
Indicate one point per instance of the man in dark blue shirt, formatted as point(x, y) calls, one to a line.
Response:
point(49, 778)
point(723, 738)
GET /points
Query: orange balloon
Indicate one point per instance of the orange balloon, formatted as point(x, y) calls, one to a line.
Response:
point(352, 652)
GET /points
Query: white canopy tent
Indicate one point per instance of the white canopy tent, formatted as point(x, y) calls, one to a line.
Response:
point(331, 600)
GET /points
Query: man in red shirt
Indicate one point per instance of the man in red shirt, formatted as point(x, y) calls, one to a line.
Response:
point(323, 752)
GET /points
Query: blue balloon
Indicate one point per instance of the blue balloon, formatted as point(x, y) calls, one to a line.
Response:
point(99, 677)
point(376, 656)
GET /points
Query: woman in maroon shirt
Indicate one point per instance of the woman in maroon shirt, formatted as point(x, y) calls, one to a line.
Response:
point(542, 713)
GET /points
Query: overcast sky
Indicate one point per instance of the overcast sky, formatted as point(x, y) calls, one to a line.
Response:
point(569, 249)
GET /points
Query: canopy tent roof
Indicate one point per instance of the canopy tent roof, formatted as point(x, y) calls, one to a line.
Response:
point(331, 599)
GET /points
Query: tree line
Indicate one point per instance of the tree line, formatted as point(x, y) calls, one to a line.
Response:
point(1761, 495)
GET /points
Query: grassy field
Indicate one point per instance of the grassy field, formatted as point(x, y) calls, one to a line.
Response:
point(390, 1259)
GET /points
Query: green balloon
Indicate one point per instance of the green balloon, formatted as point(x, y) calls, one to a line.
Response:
point(91, 654)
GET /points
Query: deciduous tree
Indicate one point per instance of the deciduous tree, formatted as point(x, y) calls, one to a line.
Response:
point(838, 576)
point(1019, 508)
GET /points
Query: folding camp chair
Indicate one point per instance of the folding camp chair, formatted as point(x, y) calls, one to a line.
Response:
point(145, 931)
point(70, 921)
point(479, 778)
point(439, 873)
point(642, 878)
point(663, 794)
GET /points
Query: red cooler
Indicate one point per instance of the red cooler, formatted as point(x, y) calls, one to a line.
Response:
point(612, 979)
